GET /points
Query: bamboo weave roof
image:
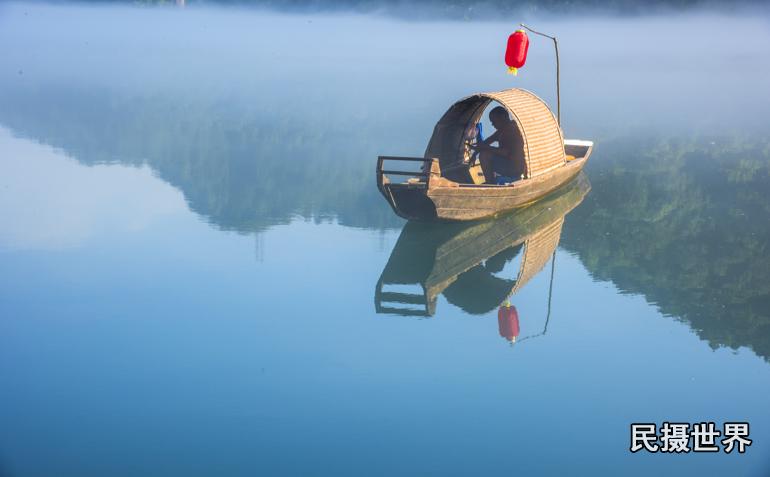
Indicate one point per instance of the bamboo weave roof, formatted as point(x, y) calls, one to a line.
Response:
point(538, 249)
point(543, 140)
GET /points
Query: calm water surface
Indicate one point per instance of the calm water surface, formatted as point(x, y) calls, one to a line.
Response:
point(198, 277)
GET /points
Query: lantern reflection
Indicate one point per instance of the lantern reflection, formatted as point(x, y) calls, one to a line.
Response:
point(508, 322)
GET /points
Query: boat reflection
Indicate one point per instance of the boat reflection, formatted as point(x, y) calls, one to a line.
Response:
point(461, 260)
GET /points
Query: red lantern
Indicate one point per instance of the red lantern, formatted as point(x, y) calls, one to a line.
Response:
point(516, 53)
point(508, 322)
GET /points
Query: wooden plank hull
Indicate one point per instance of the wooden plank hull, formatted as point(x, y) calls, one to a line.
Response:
point(474, 202)
point(448, 201)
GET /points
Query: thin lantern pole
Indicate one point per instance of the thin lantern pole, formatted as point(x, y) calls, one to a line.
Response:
point(556, 47)
point(550, 292)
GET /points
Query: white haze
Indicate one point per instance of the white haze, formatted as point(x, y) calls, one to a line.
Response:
point(687, 71)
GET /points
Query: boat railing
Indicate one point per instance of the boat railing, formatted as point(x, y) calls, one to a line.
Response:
point(422, 174)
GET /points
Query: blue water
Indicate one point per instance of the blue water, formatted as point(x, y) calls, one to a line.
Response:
point(191, 240)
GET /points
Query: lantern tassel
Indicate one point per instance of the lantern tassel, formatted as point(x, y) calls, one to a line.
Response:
point(513, 71)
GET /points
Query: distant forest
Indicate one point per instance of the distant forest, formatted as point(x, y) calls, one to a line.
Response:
point(470, 9)
point(681, 220)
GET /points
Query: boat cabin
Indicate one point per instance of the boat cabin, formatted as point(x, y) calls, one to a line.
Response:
point(451, 184)
point(543, 146)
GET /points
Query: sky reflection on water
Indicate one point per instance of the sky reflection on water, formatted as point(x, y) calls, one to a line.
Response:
point(190, 243)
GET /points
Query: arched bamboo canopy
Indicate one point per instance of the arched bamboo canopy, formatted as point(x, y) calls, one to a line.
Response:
point(543, 140)
point(538, 250)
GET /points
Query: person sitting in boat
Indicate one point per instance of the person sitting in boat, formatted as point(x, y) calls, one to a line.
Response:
point(503, 163)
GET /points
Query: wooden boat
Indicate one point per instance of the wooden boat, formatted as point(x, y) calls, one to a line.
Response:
point(449, 187)
point(439, 257)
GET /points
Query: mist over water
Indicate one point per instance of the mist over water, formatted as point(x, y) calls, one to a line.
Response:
point(691, 70)
point(191, 238)
point(319, 96)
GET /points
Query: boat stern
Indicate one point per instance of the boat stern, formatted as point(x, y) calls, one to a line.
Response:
point(408, 198)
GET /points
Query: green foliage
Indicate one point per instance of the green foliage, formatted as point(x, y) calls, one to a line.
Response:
point(682, 221)
point(686, 224)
